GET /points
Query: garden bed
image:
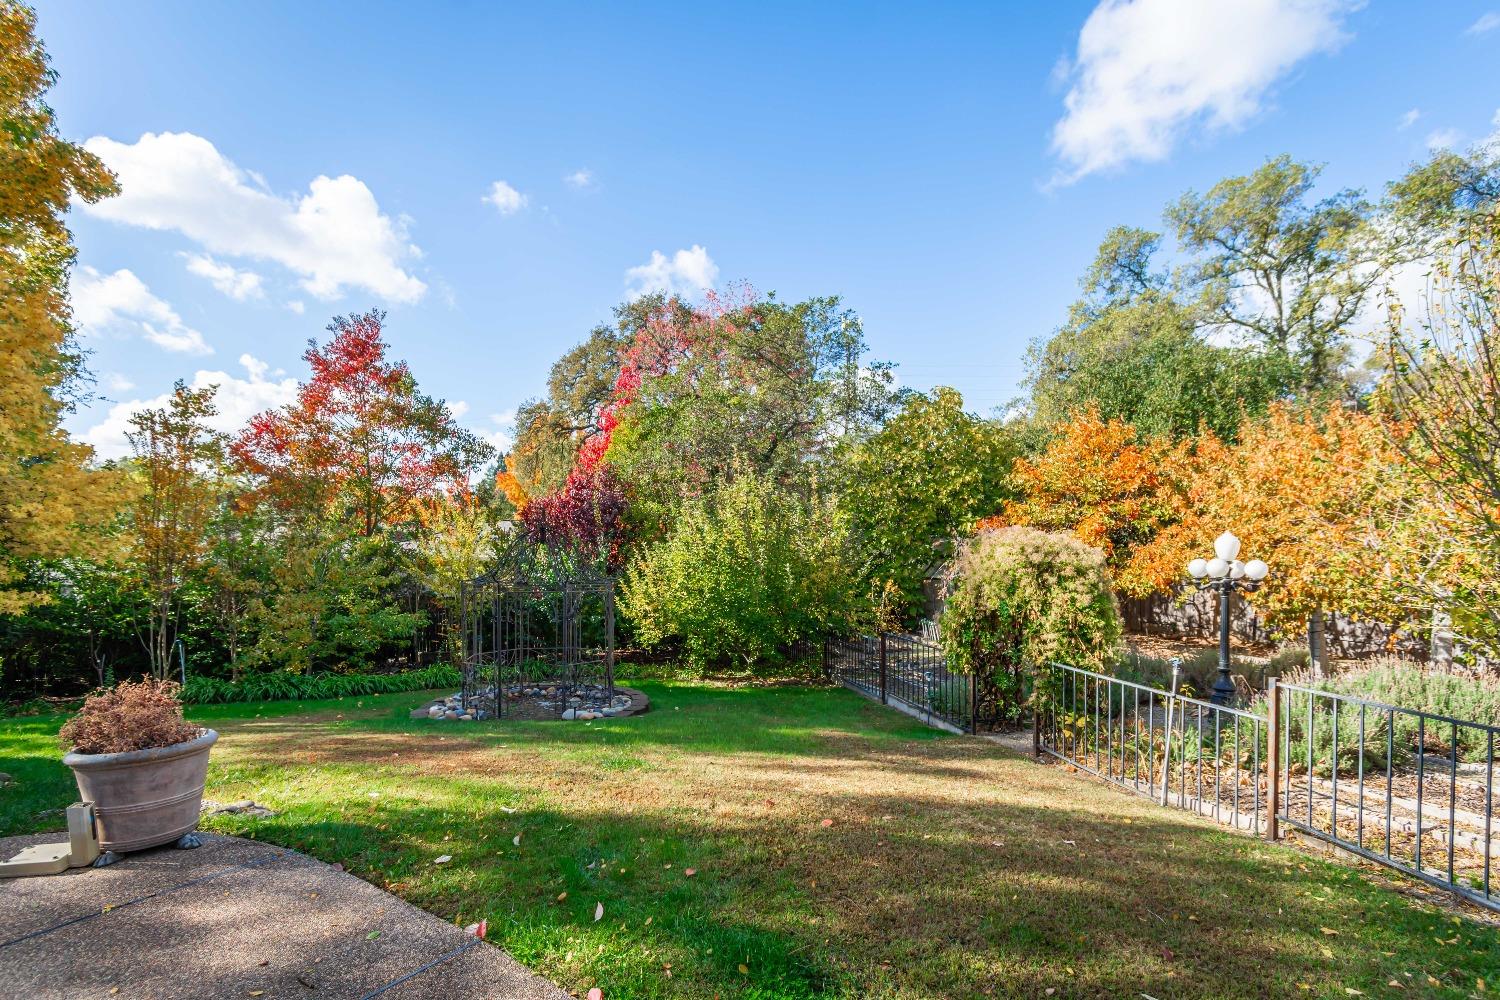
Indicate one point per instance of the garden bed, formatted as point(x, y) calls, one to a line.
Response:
point(540, 702)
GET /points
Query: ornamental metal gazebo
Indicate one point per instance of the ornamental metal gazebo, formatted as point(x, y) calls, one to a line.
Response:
point(539, 626)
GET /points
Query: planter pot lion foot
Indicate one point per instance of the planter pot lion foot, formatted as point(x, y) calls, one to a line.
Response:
point(188, 841)
point(106, 859)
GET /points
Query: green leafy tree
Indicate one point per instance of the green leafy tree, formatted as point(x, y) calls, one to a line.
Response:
point(331, 604)
point(1289, 273)
point(917, 484)
point(753, 384)
point(178, 458)
point(748, 569)
point(1133, 351)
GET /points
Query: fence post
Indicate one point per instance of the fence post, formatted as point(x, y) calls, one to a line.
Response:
point(974, 703)
point(1036, 718)
point(883, 699)
point(1166, 751)
point(1273, 755)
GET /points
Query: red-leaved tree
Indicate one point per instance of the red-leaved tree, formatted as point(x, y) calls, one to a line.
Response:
point(360, 441)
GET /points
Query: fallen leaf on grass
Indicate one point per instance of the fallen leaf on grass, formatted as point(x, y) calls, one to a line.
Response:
point(516, 840)
point(478, 930)
point(744, 969)
point(595, 993)
point(826, 822)
point(690, 872)
point(562, 896)
point(442, 859)
point(598, 912)
point(1329, 931)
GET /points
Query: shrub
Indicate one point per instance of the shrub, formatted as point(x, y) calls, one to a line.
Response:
point(282, 686)
point(748, 571)
point(1020, 599)
point(133, 715)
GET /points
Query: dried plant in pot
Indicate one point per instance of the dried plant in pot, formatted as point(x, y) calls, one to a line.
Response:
point(140, 764)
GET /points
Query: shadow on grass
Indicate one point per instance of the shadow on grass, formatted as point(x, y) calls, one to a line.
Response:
point(949, 868)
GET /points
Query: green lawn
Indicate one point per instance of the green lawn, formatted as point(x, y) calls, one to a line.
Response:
point(798, 843)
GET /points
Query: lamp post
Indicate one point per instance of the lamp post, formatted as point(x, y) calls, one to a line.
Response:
point(1225, 573)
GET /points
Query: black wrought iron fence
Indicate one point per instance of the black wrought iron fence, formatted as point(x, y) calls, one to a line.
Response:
point(1409, 789)
point(1178, 751)
point(906, 671)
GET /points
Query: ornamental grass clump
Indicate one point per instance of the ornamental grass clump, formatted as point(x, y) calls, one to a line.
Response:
point(133, 715)
point(1020, 599)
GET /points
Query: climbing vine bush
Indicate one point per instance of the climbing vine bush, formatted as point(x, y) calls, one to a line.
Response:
point(1019, 599)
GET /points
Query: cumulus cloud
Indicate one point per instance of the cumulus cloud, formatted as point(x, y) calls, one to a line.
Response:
point(580, 178)
point(334, 236)
point(686, 272)
point(1486, 23)
point(1444, 138)
point(1410, 118)
point(238, 399)
point(506, 199)
point(228, 279)
point(502, 430)
point(1148, 71)
point(121, 303)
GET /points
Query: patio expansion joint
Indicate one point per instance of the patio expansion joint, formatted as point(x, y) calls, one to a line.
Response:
point(71, 921)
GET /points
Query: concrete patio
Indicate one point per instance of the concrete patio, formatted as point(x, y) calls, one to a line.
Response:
point(236, 918)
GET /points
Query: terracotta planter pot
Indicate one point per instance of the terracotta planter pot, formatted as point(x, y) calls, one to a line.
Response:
point(144, 798)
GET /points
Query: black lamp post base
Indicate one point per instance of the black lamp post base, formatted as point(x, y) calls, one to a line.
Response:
point(1224, 691)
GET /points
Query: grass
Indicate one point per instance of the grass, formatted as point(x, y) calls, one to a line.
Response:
point(836, 849)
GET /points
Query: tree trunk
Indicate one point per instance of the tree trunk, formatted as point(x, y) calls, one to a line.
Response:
point(1440, 652)
point(1317, 653)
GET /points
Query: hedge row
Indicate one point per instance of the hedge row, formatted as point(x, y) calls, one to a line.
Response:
point(312, 687)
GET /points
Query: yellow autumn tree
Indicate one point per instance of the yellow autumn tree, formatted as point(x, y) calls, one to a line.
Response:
point(457, 541)
point(1096, 480)
point(1303, 489)
point(50, 498)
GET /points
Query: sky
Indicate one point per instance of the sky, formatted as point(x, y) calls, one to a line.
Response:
point(498, 176)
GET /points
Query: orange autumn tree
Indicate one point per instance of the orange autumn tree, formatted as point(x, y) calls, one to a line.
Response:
point(1098, 481)
point(1302, 489)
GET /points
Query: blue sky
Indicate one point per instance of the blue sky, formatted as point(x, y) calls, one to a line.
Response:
point(948, 169)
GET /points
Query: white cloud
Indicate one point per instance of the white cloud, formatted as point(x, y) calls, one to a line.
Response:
point(1148, 71)
point(503, 432)
point(1445, 138)
point(238, 399)
point(580, 178)
point(297, 306)
point(228, 279)
point(1487, 22)
point(334, 236)
point(458, 408)
point(1410, 118)
point(506, 199)
point(115, 382)
point(686, 272)
point(103, 303)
